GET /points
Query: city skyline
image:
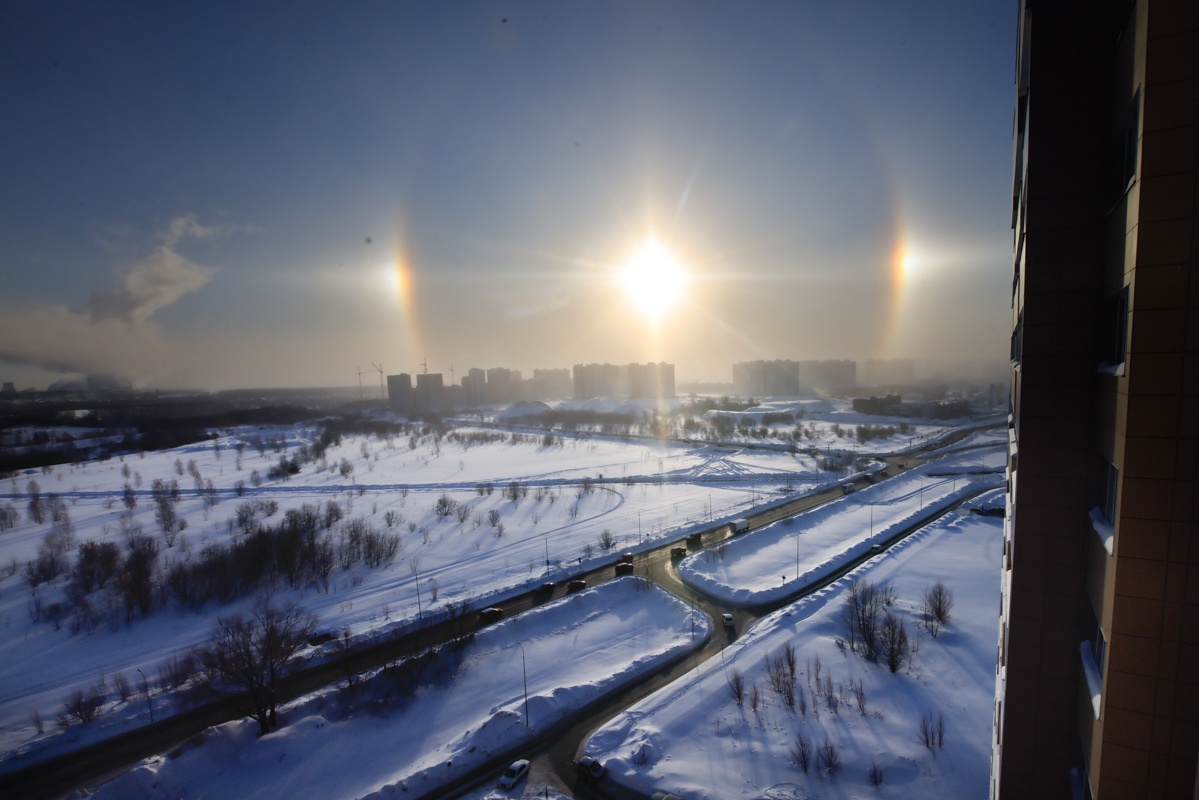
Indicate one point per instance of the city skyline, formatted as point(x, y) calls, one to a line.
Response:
point(219, 196)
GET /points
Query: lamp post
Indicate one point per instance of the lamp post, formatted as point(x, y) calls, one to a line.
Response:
point(546, 539)
point(525, 676)
point(146, 689)
point(420, 615)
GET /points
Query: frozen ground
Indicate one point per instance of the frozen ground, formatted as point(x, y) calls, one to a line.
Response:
point(693, 739)
point(472, 710)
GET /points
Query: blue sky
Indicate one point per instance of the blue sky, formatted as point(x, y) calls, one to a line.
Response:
point(215, 195)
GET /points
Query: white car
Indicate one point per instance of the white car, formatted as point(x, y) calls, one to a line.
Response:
point(728, 620)
point(514, 773)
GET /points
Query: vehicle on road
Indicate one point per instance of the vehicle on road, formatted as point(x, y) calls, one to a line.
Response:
point(592, 768)
point(728, 620)
point(847, 489)
point(491, 614)
point(514, 773)
point(546, 588)
point(624, 568)
point(876, 548)
point(740, 525)
point(577, 585)
point(625, 558)
point(678, 552)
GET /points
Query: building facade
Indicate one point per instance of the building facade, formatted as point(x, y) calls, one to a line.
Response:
point(1097, 685)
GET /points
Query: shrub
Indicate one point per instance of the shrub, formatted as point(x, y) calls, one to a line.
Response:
point(827, 758)
point(801, 751)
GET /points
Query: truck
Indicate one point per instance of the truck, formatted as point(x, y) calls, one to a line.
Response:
point(739, 525)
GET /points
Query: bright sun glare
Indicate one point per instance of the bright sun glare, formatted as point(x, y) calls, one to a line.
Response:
point(653, 281)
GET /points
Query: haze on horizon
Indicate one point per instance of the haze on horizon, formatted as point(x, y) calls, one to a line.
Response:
point(220, 195)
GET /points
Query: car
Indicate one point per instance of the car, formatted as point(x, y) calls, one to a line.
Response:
point(491, 614)
point(625, 558)
point(592, 768)
point(728, 620)
point(876, 548)
point(577, 585)
point(547, 588)
point(847, 488)
point(514, 773)
point(678, 552)
point(624, 568)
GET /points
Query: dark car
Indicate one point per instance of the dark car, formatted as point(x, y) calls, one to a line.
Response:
point(546, 588)
point(577, 585)
point(625, 558)
point(624, 568)
point(491, 614)
point(678, 552)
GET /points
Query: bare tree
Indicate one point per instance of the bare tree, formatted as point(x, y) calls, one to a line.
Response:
point(893, 639)
point(248, 657)
point(737, 687)
point(936, 605)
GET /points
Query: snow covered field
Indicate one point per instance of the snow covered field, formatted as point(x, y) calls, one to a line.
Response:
point(472, 709)
point(522, 511)
point(692, 738)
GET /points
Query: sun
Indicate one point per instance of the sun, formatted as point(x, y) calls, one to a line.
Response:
point(653, 281)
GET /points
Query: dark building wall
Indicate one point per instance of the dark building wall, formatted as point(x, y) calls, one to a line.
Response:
point(1094, 435)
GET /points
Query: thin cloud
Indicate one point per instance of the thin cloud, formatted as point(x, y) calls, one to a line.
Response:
point(113, 334)
point(149, 286)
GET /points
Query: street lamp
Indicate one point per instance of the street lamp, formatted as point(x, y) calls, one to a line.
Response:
point(419, 612)
point(525, 675)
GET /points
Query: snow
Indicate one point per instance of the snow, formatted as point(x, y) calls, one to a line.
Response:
point(692, 739)
point(651, 492)
point(466, 716)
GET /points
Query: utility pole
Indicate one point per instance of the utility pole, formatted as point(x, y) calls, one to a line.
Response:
point(525, 675)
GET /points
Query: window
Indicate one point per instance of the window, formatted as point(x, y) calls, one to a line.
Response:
point(1116, 329)
point(1110, 487)
point(1127, 147)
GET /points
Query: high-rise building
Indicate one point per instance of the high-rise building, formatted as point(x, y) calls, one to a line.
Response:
point(596, 380)
point(653, 381)
point(1097, 691)
point(896, 372)
point(827, 376)
point(399, 390)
